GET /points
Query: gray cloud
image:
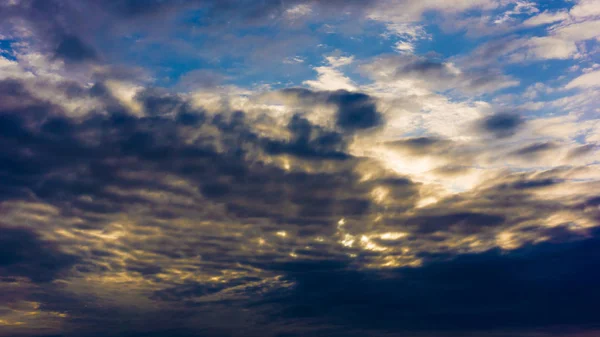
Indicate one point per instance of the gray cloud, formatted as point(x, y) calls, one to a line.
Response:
point(502, 124)
point(71, 48)
point(435, 74)
point(198, 214)
point(24, 253)
point(535, 150)
point(355, 111)
point(421, 145)
point(442, 297)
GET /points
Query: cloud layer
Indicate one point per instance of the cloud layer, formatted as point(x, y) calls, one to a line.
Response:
point(298, 168)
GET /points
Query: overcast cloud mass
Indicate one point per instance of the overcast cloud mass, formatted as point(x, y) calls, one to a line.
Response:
point(283, 168)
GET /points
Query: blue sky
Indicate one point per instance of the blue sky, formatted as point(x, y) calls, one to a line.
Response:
point(299, 168)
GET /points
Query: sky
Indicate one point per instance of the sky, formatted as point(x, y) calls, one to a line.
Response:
point(287, 168)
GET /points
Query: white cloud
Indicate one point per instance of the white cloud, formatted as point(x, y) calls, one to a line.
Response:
point(408, 31)
point(546, 18)
point(293, 60)
point(586, 8)
point(561, 128)
point(578, 31)
point(125, 92)
point(12, 69)
point(401, 17)
point(409, 11)
point(560, 43)
point(298, 11)
point(405, 47)
point(563, 39)
point(330, 78)
point(339, 61)
point(520, 7)
point(549, 47)
point(588, 80)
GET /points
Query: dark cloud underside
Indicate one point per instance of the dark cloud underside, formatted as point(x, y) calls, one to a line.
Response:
point(87, 167)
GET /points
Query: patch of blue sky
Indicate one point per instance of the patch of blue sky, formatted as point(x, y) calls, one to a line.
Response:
point(548, 92)
point(369, 43)
point(444, 44)
point(6, 49)
point(549, 72)
point(554, 5)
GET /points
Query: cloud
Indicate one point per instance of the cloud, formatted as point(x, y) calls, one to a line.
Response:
point(526, 287)
point(585, 8)
point(546, 17)
point(534, 150)
point(588, 80)
point(502, 124)
point(354, 111)
point(191, 207)
point(415, 71)
point(410, 11)
point(578, 31)
point(71, 48)
point(460, 222)
point(582, 150)
point(551, 48)
point(309, 141)
point(421, 145)
point(24, 253)
point(330, 77)
point(159, 103)
point(143, 193)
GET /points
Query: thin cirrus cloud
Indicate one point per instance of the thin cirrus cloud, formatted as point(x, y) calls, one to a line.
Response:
point(299, 168)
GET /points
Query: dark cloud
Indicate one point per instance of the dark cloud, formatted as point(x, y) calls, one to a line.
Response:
point(460, 155)
point(15, 96)
point(423, 66)
point(309, 141)
point(535, 150)
point(421, 145)
point(144, 269)
point(466, 222)
point(355, 111)
point(582, 150)
point(533, 184)
point(593, 202)
point(192, 290)
point(156, 102)
point(230, 192)
point(58, 27)
point(533, 287)
point(95, 150)
point(436, 74)
point(71, 48)
point(502, 125)
point(24, 253)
